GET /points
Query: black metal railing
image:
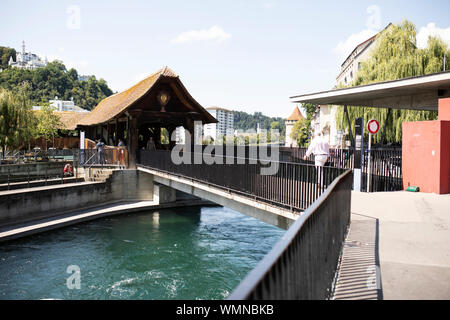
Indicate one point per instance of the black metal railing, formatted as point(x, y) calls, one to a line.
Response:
point(13, 177)
point(294, 186)
point(385, 170)
point(302, 265)
point(112, 156)
point(385, 164)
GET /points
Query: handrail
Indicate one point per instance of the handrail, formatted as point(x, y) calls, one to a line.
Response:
point(294, 185)
point(292, 248)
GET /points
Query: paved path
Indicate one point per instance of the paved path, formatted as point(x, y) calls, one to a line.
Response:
point(359, 270)
point(413, 242)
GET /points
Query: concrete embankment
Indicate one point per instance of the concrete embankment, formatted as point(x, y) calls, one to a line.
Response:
point(82, 215)
point(28, 211)
point(38, 183)
point(33, 203)
point(23, 172)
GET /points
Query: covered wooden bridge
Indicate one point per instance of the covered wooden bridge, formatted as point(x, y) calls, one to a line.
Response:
point(159, 102)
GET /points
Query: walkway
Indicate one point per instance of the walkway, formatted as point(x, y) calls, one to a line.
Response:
point(412, 234)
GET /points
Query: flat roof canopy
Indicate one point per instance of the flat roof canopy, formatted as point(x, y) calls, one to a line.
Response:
point(415, 93)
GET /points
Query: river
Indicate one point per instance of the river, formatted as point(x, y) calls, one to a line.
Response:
point(182, 253)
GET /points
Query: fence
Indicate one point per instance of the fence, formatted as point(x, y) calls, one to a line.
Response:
point(12, 177)
point(385, 164)
point(385, 170)
point(302, 265)
point(111, 156)
point(293, 186)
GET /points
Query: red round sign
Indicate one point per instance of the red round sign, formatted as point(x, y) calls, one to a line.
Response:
point(373, 126)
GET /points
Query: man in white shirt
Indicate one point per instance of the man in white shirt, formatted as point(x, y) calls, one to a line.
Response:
point(320, 148)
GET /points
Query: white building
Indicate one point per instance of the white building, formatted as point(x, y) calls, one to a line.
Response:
point(224, 126)
point(84, 77)
point(181, 134)
point(326, 116)
point(62, 105)
point(27, 60)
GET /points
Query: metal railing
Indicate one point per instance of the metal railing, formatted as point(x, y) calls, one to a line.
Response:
point(117, 156)
point(13, 179)
point(385, 170)
point(37, 155)
point(303, 264)
point(294, 186)
point(386, 165)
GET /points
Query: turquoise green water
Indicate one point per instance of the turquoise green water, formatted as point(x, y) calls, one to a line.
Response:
point(185, 253)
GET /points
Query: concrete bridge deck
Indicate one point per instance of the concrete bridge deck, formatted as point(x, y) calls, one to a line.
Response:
point(272, 214)
point(401, 237)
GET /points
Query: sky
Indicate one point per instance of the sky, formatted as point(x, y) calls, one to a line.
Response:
point(241, 55)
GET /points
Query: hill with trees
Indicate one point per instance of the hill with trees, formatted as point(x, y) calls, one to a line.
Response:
point(245, 122)
point(54, 80)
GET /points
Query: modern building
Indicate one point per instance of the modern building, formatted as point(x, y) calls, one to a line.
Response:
point(181, 134)
point(290, 121)
point(62, 105)
point(326, 115)
point(27, 60)
point(224, 126)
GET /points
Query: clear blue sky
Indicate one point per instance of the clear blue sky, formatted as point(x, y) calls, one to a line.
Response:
point(243, 55)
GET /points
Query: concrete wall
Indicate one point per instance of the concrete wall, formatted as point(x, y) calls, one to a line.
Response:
point(24, 205)
point(21, 171)
point(426, 152)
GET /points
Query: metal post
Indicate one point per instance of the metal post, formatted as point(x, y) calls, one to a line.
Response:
point(369, 156)
point(28, 175)
point(359, 153)
point(8, 177)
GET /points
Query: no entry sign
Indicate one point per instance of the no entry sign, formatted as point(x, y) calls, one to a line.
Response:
point(373, 126)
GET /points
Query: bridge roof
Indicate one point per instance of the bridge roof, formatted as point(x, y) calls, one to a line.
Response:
point(118, 103)
point(70, 119)
point(415, 93)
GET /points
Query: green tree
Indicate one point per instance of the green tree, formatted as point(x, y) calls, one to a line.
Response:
point(16, 119)
point(55, 80)
point(300, 133)
point(5, 54)
point(396, 56)
point(48, 124)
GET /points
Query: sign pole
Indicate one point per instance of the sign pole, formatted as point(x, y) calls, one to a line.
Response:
point(373, 126)
point(369, 155)
point(359, 153)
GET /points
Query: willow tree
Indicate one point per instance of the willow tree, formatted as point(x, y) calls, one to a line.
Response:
point(16, 119)
point(396, 56)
